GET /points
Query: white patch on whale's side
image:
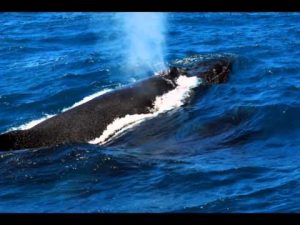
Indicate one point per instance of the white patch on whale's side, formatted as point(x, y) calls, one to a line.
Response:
point(33, 123)
point(168, 101)
point(119, 125)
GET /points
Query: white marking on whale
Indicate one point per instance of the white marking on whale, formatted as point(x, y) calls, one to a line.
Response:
point(169, 101)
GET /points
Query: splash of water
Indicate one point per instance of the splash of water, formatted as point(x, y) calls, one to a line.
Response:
point(145, 40)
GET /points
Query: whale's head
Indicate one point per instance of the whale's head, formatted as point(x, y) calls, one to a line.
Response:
point(212, 71)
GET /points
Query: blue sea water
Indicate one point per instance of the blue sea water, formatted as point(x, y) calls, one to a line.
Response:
point(234, 149)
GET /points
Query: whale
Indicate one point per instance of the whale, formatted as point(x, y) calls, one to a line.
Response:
point(88, 121)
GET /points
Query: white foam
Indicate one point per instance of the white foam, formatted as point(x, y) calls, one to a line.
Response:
point(169, 101)
point(86, 99)
point(176, 97)
point(33, 123)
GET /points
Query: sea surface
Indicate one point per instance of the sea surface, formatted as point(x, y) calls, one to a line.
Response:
point(234, 149)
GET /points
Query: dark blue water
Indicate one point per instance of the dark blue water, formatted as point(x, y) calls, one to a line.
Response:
point(234, 149)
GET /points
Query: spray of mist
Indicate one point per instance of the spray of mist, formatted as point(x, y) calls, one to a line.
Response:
point(145, 40)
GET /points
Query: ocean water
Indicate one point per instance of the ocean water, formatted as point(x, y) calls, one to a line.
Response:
point(232, 149)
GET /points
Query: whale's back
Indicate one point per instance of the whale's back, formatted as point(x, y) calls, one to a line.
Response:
point(87, 121)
